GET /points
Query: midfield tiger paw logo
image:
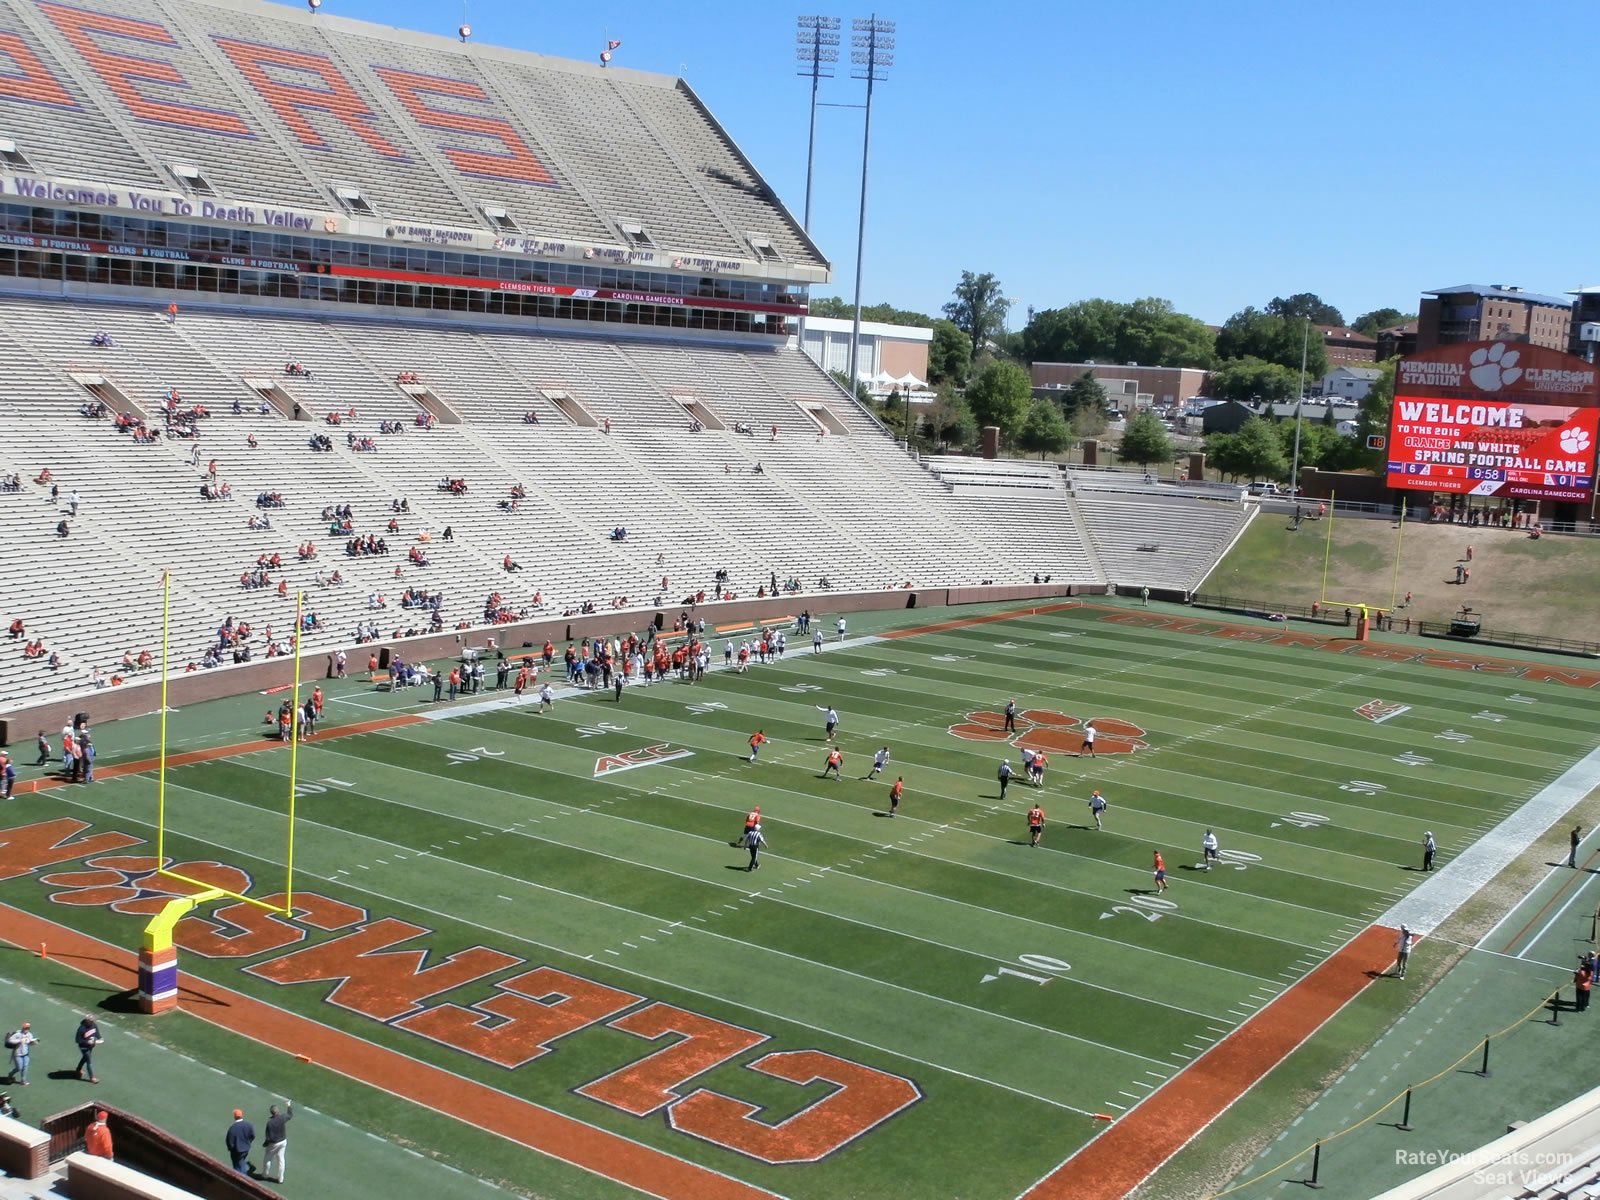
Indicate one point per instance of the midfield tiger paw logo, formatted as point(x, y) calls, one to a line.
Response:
point(1046, 729)
point(128, 883)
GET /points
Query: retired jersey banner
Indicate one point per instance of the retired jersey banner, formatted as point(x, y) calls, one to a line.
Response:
point(1495, 419)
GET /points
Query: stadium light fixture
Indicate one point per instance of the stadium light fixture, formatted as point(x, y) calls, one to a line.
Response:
point(464, 32)
point(871, 53)
point(313, 5)
point(816, 49)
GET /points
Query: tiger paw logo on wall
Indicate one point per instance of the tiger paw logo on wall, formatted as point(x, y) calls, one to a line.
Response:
point(128, 883)
point(1046, 729)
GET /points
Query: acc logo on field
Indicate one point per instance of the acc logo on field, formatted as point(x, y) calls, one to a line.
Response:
point(1379, 711)
point(647, 756)
point(1046, 729)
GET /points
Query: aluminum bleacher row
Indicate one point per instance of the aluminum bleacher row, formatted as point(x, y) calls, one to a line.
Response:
point(242, 118)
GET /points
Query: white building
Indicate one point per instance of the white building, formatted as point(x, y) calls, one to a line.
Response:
point(892, 358)
point(1350, 383)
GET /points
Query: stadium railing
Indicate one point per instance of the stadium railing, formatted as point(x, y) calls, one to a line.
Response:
point(1511, 638)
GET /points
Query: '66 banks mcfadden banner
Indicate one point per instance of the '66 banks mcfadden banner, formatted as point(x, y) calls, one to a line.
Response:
point(1495, 419)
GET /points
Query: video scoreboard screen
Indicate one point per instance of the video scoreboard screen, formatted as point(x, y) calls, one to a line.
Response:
point(1486, 419)
point(1526, 451)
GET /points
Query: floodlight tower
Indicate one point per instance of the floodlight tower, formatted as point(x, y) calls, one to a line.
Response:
point(816, 49)
point(871, 52)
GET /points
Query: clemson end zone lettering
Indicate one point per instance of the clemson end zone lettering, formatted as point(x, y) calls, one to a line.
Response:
point(649, 756)
point(1379, 711)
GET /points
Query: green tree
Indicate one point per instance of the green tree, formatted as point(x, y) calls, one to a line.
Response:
point(950, 420)
point(1145, 440)
point(1305, 306)
point(1044, 432)
point(840, 309)
point(1086, 393)
point(949, 354)
point(1373, 417)
point(862, 391)
point(1260, 450)
point(1252, 333)
point(1329, 420)
point(1381, 318)
point(1223, 452)
point(1001, 395)
point(1148, 331)
point(1250, 378)
point(1088, 422)
point(979, 309)
point(1155, 334)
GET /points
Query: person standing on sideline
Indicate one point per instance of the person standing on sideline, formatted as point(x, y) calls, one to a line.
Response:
point(1429, 846)
point(97, 1138)
point(1582, 979)
point(547, 699)
point(241, 1136)
point(1210, 850)
point(1160, 873)
point(1402, 951)
point(87, 1037)
point(1088, 740)
point(20, 1042)
point(895, 792)
point(840, 628)
point(616, 686)
point(1011, 716)
point(757, 740)
point(830, 719)
point(879, 761)
point(1576, 836)
point(835, 764)
point(751, 820)
point(8, 776)
point(753, 842)
point(1035, 825)
point(275, 1142)
point(1097, 808)
point(816, 642)
point(1005, 777)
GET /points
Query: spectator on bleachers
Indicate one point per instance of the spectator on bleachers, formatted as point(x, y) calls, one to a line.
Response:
point(102, 339)
point(510, 563)
point(530, 417)
point(607, 423)
point(146, 660)
point(172, 313)
point(34, 649)
point(43, 477)
point(424, 420)
point(62, 528)
point(11, 482)
point(448, 535)
point(250, 440)
point(517, 492)
point(17, 627)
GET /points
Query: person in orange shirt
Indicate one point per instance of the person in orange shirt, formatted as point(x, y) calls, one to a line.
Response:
point(97, 1138)
point(895, 793)
point(751, 820)
point(316, 701)
point(757, 740)
point(1160, 873)
point(455, 681)
point(1035, 825)
point(522, 680)
point(835, 764)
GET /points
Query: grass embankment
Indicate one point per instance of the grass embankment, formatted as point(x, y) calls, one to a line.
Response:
point(1544, 587)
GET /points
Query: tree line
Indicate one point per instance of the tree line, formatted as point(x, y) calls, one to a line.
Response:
point(979, 371)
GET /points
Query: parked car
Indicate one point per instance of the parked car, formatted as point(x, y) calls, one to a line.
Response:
point(1258, 488)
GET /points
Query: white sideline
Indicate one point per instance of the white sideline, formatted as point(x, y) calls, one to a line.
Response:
point(1431, 904)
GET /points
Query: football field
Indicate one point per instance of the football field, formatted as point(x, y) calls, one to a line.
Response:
point(543, 918)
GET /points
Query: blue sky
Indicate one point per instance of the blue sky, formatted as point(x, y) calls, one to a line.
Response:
point(1216, 155)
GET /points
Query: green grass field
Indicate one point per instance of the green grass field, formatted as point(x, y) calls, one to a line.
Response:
point(1020, 990)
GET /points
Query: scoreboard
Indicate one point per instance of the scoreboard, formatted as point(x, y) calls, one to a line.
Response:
point(1487, 420)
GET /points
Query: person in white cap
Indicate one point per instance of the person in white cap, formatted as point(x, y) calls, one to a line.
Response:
point(1428, 848)
point(1402, 949)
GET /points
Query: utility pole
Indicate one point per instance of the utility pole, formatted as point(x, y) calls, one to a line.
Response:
point(872, 51)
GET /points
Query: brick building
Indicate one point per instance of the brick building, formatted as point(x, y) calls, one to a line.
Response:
point(1128, 385)
point(1476, 312)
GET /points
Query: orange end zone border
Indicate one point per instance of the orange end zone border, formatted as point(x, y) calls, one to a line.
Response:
point(1137, 1145)
point(609, 1155)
